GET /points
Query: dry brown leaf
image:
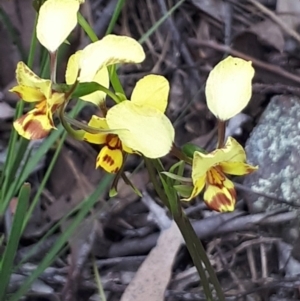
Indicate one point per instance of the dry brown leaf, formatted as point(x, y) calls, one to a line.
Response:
point(269, 33)
point(152, 278)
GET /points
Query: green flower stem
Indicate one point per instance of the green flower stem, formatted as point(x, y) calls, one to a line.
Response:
point(115, 16)
point(115, 81)
point(8, 255)
point(53, 66)
point(221, 133)
point(193, 243)
point(111, 94)
point(14, 157)
point(44, 180)
point(76, 134)
point(176, 151)
point(33, 43)
point(157, 186)
point(86, 27)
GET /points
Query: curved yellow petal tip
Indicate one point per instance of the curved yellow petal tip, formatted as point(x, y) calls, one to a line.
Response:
point(112, 49)
point(229, 87)
point(28, 94)
point(56, 20)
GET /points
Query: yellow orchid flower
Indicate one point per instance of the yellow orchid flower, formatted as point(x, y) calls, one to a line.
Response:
point(91, 62)
point(228, 87)
point(209, 170)
point(56, 20)
point(37, 123)
point(140, 125)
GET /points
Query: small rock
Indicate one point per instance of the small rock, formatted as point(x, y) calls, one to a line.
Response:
point(274, 146)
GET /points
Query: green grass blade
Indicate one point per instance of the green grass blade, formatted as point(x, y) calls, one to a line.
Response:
point(98, 281)
point(13, 240)
point(115, 16)
point(45, 179)
point(15, 37)
point(86, 27)
point(34, 160)
point(160, 22)
point(51, 255)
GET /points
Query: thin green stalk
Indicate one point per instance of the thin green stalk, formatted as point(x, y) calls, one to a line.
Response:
point(10, 250)
point(98, 281)
point(15, 37)
point(53, 66)
point(164, 198)
point(160, 22)
point(51, 255)
point(193, 243)
point(45, 180)
point(115, 16)
point(115, 81)
point(158, 188)
point(33, 44)
point(198, 253)
point(14, 157)
point(87, 28)
point(221, 133)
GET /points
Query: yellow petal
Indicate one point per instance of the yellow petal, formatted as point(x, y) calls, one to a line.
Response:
point(98, 97)
point(26, 77)
point(237, 168)
point(99, 123)
point(28, 94)
point(56, 20)
point(152, 90)
point(149, 132)
point(110, 50)
point(220, 193)
point(198, 187)
point(229, 87)
point(101, 77)
point(231, 152)
point(110, 160)
point(34, 125)
point(55, 101)
point(73, 68)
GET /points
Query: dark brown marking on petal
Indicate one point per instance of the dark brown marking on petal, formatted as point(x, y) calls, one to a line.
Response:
point(35, 129)
point(109, 160)
point(216, 177)
point(30, 73)
point(220, 202)
point(113, 142)
point(116, 170)
point(55, 107)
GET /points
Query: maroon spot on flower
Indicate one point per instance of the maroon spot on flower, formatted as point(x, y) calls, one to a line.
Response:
point(220, 202)
point(216, 177)
point(33, 128)
point(109, 160)
point(113, 142)
point(116, 170)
